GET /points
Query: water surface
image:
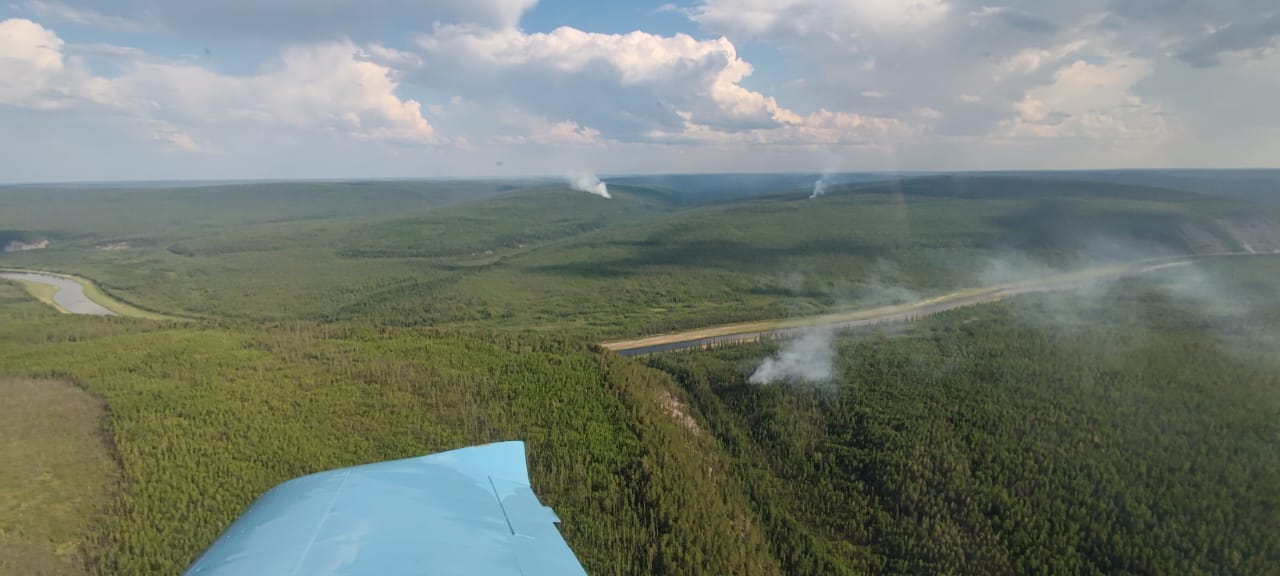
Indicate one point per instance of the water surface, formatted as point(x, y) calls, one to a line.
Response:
point(69, 294)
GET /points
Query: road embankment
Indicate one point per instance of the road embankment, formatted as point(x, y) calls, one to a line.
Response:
point(739, 333)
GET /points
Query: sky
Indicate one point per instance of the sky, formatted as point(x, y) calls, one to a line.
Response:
point(241, 89)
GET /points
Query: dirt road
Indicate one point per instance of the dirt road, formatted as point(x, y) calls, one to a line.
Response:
point(754, 331)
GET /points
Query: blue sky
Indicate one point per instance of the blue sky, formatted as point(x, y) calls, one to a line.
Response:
point(163, 89)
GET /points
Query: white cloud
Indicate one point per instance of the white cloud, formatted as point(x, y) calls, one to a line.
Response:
point(1038, 71)
point(697, 76)
point(326, 86)
point(1033, 59)
point(177, 138)
point(632, 86)
point(922, 52)
point(329, 84)
point(857, 83)
point(389, 57)
point(535, 130)
point(569, 132)
point(30, 62)
point(484, 122)
point(822, 128)
point(1089, 101)
point(835, 19)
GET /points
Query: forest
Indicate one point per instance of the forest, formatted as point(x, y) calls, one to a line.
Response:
point(205, 419)
point(655, 258)
point(1132, 427)
point(1128, 432)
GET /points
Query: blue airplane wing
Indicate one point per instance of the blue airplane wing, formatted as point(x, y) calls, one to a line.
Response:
point(466, 512)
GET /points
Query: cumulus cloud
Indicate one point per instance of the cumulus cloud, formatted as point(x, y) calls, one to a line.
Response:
point(568, 132)
point(325, 86)
point(31, 64)
point(838, 19)
point(875, 84)
point(822, 128)
point(921, 52)
point(486, 122)
point(1011, 68)
point(622, 81)
point(1089, 100)
point(633, 86)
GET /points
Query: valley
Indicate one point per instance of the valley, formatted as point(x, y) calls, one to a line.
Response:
point(974, 373)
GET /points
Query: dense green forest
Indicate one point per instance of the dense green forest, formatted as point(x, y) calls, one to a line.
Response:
point(655, 258)
point(205, 419)
point(1132, 427)
point(1129, 432)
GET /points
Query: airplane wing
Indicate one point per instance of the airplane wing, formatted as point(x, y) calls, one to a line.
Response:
point(466, 512)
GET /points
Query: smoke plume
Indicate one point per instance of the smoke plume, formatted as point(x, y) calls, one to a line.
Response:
point(819, 187)
point(589, 183)
point(807, 359)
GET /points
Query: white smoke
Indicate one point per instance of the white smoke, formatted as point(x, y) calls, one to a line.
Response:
point(589, 183)
point(819, 187)
point(886, 286)
point(807, 359)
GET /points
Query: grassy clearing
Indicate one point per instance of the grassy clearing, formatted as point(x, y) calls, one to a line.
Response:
point(42, 292)
point(56, 473)
point(96, 294)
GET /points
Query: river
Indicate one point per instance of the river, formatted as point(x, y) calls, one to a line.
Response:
point(68, 294)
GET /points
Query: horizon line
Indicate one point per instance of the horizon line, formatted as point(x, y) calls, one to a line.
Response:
point(603, 175)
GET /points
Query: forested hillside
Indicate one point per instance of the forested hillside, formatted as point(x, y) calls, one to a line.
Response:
point(1129, 427)
point(1130, 432)
point(652, 259)
point(205, 419)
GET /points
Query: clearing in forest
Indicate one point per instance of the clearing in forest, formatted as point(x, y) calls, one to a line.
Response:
point(56, 473)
